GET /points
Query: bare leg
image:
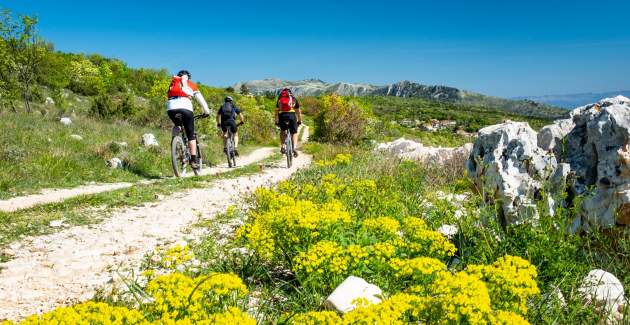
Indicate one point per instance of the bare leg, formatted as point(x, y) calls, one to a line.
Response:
point(281, 139)
point(192, 145)
point(235, 140)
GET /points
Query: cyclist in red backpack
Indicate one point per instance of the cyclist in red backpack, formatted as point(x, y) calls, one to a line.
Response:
point(179, 104)
point(288, 117)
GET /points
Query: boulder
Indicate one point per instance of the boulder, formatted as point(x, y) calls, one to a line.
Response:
point(550, 137)
point(508, 165)
point(76, 137)
point(352, 288)
point(605, 291)
point(65, 121)
point(115, 163)
point(149, 140)
point(598, 153)
point(49, 101)
point(412, 150)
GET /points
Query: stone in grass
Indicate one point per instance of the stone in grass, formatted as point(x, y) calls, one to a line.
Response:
point(115, 163)
point(605, 291)
point(352, 288)
point(56, 223)
point(76, 137)
point(65, 121)
point(149, 140)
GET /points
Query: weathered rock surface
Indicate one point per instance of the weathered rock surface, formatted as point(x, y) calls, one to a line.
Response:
point(148, 140)
point(115, 163)
point(508, 165)
point(605, 291)
point(352, 288)
point(416, 151)
point(65, 121)
point(550, 137)
point(76, 137)
point(599, 156)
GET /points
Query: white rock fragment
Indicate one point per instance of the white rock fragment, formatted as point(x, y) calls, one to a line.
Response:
point(352, 288)
point(115, 163)
point(76, 137)
point(412, 150)
point(56, 223)
point(604, 290)
point(65, 121)
point(449, 231)
point(49, 101)
point(148, 140)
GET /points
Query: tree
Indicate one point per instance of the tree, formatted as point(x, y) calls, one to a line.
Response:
point(21, 55)
point(244, 90)
point(85, 77)
point(229, 89)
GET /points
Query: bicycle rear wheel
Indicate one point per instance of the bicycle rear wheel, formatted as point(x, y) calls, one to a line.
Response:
point(289, 149)
point(229, 151)
point(179, 158)
point(199, 158)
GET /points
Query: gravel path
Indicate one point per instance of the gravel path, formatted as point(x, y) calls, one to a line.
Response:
point(68, 266)
point(58, 195)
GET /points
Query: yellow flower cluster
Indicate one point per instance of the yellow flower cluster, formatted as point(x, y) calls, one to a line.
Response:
point(316, 318)
point(323, 257)
point(381, 226)
point(507, 318)
point(177, 255)
point(419, 240)
point(511, 279)
point(88, 313)
point(340, 159)
point(460, 298)
point(177, 296)
point(416, 268)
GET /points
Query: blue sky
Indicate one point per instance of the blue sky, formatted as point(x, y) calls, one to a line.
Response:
point(503, 48)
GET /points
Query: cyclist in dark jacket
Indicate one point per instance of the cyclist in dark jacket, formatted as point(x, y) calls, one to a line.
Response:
point(226, 118)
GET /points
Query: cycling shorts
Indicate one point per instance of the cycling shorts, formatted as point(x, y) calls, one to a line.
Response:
point(288, 121)
point(187, 121)
point(229, 124)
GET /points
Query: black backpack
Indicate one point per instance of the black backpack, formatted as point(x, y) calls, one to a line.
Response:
point(227, 112)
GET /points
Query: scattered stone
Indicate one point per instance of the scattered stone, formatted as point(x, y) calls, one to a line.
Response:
point(605, 291)
point(412, 150)
point(159, 197)
point(449, 231)
point(76, 137)
point(49, 101)
point(149, 140)
point(122, 144)
point(8, 252)
point(65, 121)
point(115, 163)
point(352, 288)
point(56, 223)
point(508, 165)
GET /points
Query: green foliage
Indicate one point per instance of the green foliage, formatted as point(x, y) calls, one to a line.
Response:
point(340, 120)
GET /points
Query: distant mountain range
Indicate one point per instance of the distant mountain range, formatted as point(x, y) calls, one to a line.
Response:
point(407, 89)
point(574, 100)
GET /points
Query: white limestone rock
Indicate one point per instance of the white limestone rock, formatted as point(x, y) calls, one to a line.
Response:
point(149, 140)
point(605, 291)
point(76, 137)
point(115, 163)
point(412, 150)
point(65, 121)
point(508, 165)
point(343, 297)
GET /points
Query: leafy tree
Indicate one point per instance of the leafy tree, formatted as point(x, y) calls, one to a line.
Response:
point(21, 55)
point(230, 89)
point(244, 90)
point(85, 77)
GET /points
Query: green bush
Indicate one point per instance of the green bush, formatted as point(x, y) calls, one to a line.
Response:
point(340, 121)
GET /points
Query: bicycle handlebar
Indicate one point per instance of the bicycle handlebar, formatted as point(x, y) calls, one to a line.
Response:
point(199, 117)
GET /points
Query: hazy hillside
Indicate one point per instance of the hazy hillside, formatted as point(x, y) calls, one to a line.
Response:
point(574, 100)
point(406, 89)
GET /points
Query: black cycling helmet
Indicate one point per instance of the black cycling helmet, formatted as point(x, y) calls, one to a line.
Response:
point(228, 99)
point(184, 72)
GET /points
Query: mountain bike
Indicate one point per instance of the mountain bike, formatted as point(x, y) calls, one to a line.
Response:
point(288, 145)
point(180, 153)
point(230, 148)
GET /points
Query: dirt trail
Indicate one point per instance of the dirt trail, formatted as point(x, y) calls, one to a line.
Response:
point(68, 266)
point(58, 195)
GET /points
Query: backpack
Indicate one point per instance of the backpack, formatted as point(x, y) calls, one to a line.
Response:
point(286, 102)
point(175, 89)
point(227, 112)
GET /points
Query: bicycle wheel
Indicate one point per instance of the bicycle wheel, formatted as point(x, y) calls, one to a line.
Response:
point(178, 156)
point(199, 157)
point(229, 150)
point(289, 149)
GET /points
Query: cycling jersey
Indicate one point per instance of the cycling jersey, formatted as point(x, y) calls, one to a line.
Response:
point(189, 89)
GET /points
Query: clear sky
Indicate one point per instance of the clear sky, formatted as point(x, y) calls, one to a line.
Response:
point(503, 48)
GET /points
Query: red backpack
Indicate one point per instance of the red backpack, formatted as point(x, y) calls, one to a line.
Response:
point(286, 102)
point(175, 89)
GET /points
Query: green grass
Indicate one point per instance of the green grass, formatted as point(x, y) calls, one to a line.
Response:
point(38, 152)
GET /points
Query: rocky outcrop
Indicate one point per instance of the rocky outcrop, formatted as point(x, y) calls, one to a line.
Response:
point(412, 150)
point(509, 167)
point(599, 157)
point(412, 89)
point(550, 137)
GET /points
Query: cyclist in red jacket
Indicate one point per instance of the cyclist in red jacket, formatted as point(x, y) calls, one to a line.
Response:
point(288, 117)
point(180, 93)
